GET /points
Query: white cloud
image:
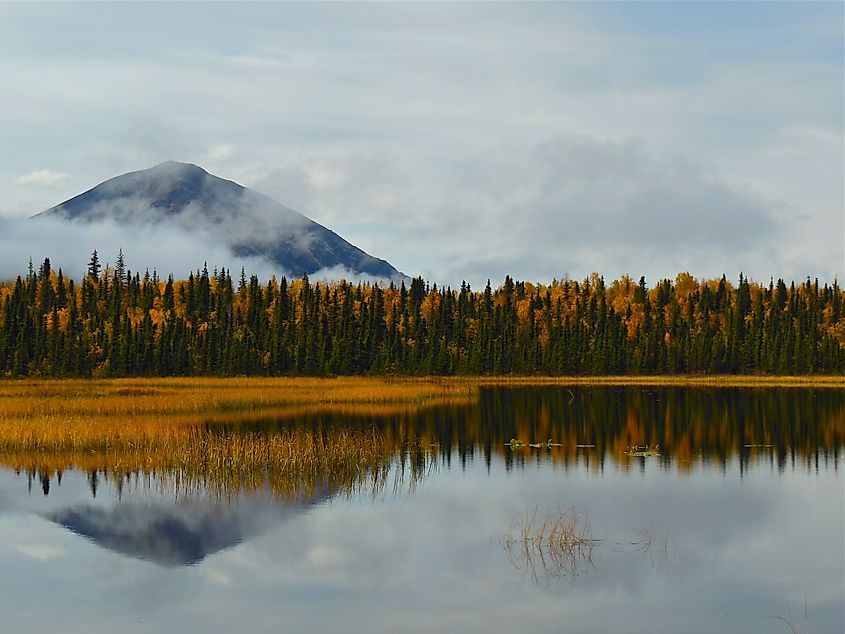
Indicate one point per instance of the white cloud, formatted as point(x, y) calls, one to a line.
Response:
point(342, 273)
point(445, 138)
point(39, 552)
point(217, 576)
point(43, 178)
point(219, 153)
point(571, 204)
point(164, 248)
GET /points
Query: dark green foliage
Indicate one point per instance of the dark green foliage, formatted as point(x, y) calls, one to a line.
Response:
point(116, 323)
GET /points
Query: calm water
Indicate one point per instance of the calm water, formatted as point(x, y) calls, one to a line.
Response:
point(738, 520)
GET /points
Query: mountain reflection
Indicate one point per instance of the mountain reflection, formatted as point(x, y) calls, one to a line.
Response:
point(181, 533)
point(153, 533)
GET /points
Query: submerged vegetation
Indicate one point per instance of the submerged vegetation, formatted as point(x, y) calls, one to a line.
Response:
point(116, 323)
point(518, 444)
point(643, 451)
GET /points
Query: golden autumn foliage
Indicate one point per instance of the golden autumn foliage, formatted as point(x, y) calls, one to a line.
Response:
point(205, 326)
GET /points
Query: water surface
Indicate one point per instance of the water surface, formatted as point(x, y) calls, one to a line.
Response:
point(735, 517)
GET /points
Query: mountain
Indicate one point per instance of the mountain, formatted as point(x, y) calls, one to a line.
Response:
point(249, 223)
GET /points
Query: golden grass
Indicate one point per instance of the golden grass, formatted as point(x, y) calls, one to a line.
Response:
point(170, 426)
point(80, 415)
point(192, 397)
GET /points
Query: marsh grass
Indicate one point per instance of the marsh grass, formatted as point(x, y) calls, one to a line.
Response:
point(187, 429)
point(136, 415)
point(553, 545)
point(188, 398)
point(561, 544)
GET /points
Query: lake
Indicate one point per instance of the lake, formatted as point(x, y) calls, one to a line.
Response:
point(678, 510)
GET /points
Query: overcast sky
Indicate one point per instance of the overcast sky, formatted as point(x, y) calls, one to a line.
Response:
point(457, 141)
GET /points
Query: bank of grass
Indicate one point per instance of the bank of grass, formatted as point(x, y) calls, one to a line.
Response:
point(79, 414)
point(186, 398)
point(173, 426)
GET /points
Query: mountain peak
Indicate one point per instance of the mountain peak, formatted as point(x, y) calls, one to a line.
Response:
point(175, 167)
point(177, 164)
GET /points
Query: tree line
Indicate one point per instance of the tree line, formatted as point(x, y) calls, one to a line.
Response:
point(118, 323)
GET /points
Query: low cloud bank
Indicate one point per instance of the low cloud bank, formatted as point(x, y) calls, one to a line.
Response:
point(163, 248)
point(166, 249)
point(571, 204)
point(43, 178)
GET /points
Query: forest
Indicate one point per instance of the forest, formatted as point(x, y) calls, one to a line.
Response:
point(116, 323)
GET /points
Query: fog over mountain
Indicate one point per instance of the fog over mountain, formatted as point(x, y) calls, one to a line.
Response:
point(185, 199)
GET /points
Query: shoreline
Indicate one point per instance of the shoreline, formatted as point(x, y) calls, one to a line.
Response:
point(691, 380)
point(720, 380)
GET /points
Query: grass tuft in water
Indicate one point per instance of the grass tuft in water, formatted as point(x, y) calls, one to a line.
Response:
point(561, 544)
point(553, 545)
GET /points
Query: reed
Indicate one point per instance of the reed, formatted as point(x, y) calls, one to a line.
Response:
point(174, 428)
point(132, 415)
point(561, 544)
point(554, 545)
